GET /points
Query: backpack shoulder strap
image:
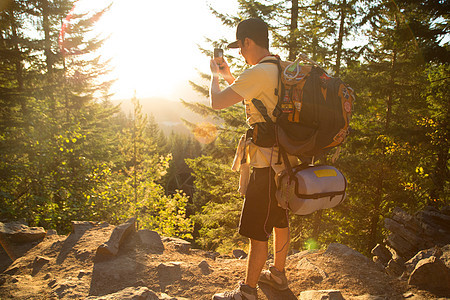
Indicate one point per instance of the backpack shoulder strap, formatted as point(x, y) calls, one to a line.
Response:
point(279, 90)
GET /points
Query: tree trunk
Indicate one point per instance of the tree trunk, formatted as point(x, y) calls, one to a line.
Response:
point(375, 215)
point(47, 40)
point(390, 99)
point(316, 225)
point(392, 77)
point(340, 38)
point(440, 175)
point(292, 30)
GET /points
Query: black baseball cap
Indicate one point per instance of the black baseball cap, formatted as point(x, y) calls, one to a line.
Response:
point(255, 29)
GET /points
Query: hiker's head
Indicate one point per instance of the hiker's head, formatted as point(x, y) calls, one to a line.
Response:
point(252, 35)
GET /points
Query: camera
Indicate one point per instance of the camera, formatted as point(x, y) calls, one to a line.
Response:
point(218, 52)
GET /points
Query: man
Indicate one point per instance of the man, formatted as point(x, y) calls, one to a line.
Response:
point(260, 213)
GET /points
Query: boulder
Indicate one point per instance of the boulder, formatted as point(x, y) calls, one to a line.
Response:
point(431, 274)
point(111, 247)
point(315, 271)
point(383, 254)
point(240, 254)
point(129, 293)
point(79, 227)
point(20, 233)
point(205, 267)
point(445, 257)
point(395, 267)
point(212, 255)
point(168, 273)
point(410, 234)
point(151, 240)
point(51, 232)
point(411, 264)
point(321, 295)
point(345, 251)
point(177, 244)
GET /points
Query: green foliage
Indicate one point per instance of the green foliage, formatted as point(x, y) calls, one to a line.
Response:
point(216, 203)
point(65, 151)
point(398, 150)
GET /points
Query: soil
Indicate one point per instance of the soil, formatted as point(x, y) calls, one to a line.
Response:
point(66, 267)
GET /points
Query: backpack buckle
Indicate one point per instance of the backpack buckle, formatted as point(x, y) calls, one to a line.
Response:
point(276, 111)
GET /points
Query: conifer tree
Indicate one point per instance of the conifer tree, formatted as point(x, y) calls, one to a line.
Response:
point(55, 144)
point(391, 157)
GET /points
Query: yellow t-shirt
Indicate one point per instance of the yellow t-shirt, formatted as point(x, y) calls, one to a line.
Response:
point(258, 82)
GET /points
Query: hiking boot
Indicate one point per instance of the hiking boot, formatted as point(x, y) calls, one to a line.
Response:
point(274, 278)
point(242, 292)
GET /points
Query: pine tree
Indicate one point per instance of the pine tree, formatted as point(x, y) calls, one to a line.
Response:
point(51, 144)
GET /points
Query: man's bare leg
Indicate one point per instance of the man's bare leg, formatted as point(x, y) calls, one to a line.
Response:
point(256, 260)
point(281, 247)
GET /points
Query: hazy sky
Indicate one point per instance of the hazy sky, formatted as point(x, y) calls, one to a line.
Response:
point(153, 44)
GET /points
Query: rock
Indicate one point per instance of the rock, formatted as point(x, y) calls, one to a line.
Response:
point(305, 264)
point(321, 295)
point(368, 297)
point(212, 255)
point(411, 234)
point(240, 254)
point(411, 264)
point(402, 239)
point(151, 240)
point(383, 254)
point(178, 244)
point(129, 293)
point(445, 257)
point(408, 295)
point(342, 250)
point(111, 247)
point(205, 267)
point(38, 263)
point(79, 227)
point(19, 233)
point(51, 232)
point(83, 273)
point(168, 273)
point(395, 267)
point(431, 274)
point(435, 218)
point(410, 222)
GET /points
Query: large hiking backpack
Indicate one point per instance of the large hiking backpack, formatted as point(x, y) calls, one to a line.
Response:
point(312, 116)
point(312, 113)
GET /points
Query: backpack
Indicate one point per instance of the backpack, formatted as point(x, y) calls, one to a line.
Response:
point(312, 116)
point(312, 113)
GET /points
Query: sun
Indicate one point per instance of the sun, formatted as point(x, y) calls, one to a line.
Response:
point(153, 44)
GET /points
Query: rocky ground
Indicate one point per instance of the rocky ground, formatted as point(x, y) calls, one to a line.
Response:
point(101, 261)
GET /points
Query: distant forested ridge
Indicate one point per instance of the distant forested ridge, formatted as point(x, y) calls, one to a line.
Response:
point(68, 153)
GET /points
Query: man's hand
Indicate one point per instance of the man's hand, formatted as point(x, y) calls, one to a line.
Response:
point(221, 99)
point(218, 66)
